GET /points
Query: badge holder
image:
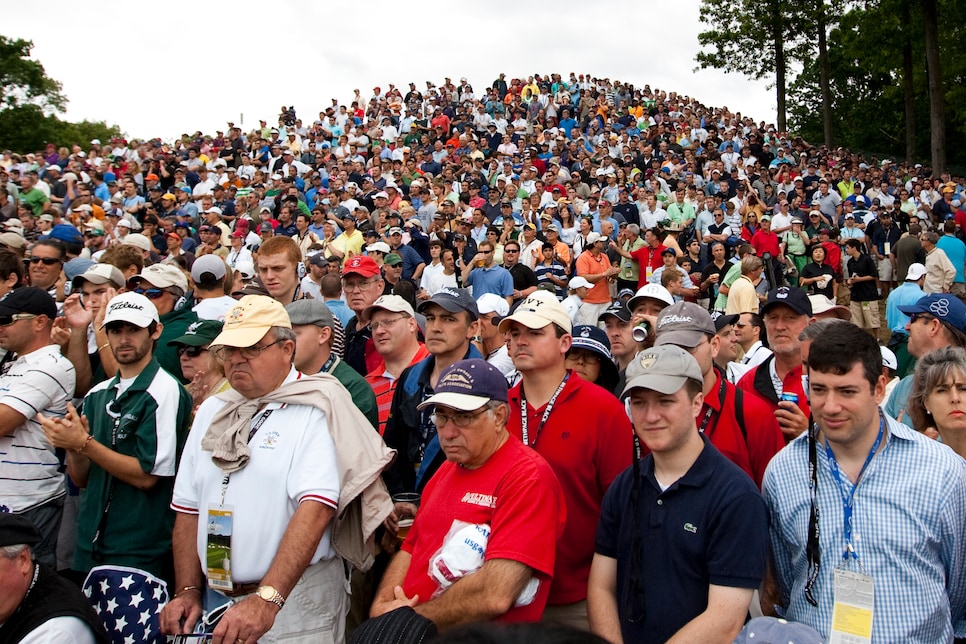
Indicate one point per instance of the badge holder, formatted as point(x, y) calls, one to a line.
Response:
point(854, 597)
point(218, 548)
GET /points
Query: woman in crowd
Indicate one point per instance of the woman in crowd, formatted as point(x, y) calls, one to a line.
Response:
point(590, 358)
point(818, 278)
point(937, 404)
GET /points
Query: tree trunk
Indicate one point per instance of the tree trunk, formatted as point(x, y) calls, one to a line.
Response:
point(937, 104)
point(780, 65)
point(908, 90)
point(824, 72)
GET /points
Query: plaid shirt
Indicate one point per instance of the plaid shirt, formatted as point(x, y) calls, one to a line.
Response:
point(909, 525)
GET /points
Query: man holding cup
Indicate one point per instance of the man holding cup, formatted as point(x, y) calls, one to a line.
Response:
point(494, 509)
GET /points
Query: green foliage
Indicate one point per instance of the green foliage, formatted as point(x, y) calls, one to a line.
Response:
point(29, 101)
point(866, 63)
point(23, 81)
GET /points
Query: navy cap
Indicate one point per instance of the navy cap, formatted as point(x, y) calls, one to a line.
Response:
point(618, 309)
point(790, 296)
point(16, 530)
point(453, 300)
point(467, 385)
point(29, 299)
point(944, 307)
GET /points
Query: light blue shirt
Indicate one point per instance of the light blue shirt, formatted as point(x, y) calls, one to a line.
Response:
point(956, 252)
point(907, 294)
point(908, 526)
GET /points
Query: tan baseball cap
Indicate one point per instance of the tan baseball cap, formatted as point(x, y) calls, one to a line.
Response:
point(539, 309)
point(248, 321)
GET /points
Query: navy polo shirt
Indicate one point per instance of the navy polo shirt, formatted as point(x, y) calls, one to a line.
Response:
point(709, 527)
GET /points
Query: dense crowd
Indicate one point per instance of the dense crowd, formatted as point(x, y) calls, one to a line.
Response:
point(545, 323)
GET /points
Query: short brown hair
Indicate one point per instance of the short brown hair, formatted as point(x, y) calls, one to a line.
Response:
point(279, 244)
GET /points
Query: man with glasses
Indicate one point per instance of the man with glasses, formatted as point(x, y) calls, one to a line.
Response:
point(124, 449)
point(39, 380)
point(165, 286)
point(314, 327)
point(524, 279)
point(362, 285)
point(484, 276)
point(897, 568)
point(46, 262)
point(936, 321)
point(505, 500)
point(268, 462)
point(681, 512)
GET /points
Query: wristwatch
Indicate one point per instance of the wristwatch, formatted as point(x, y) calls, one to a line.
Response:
point(269, 594)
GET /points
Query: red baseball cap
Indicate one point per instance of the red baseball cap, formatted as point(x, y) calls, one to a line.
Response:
point(361, 265)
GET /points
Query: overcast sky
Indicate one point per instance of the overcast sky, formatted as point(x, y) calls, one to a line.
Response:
point(160, 69)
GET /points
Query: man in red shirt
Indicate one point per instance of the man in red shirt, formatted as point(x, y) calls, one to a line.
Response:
point(482, 546)
point(580, 428)
point(786, 313)
point(771, 250)
point(741, 426)
point(648, 256)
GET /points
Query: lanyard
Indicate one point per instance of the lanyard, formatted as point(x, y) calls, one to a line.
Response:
point(847, 499)
point(251, 434)
point(708, 412)
point(524, 421)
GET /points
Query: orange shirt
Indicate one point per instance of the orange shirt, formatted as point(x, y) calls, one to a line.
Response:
point(589, 264)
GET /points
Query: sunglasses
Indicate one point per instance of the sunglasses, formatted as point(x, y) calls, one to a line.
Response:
point(191, 352)
point(7, 320)
point(150, 293)
point(48, 261)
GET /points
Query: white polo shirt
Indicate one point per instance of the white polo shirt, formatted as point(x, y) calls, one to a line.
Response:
point(293, 460)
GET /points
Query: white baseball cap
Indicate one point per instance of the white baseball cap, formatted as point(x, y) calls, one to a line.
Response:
point(130, 307)
point(492, 303)
point(578, 282)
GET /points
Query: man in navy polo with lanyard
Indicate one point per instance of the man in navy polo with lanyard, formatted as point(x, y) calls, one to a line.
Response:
point(867, 515)
point(579, 427)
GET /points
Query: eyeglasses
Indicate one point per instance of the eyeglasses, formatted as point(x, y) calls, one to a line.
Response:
point(385, 324)
point(920, 316)
point(584, 356)
point(7, 320)
point(48, 261)
point(349, 287)
point(191, 352)
point(222, 353)
point(461, 420)
point(507, 251)
point(150, 293)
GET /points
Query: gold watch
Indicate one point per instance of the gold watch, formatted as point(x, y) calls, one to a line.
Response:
point(270, 594)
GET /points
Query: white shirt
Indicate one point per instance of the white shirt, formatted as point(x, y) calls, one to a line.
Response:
point(292, 461)
point(214, 308)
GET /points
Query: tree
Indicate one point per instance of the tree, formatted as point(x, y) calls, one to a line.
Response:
point(30, 102)
point(754, 38)
point(23, 81)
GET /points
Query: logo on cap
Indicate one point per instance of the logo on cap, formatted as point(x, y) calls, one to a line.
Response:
point(448, 291)
point(584, 333)
point(674, 319)
point(648, 360)
point(192, 328)
point(457, 378)
point(940, 307)
point(117, 306)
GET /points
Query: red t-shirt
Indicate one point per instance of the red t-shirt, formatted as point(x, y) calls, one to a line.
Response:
point(517, 495)
point(645, 256)
point(757, 382)
point(588, 441)
point(764, 242)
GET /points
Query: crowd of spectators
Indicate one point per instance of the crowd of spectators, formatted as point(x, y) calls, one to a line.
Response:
point(556, 227)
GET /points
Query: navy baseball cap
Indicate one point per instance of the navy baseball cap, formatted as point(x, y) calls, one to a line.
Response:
point(453, 300)
point(467, 385)
point(790, 296)
point(618, 309)
point(944, 307)
point(31, 300)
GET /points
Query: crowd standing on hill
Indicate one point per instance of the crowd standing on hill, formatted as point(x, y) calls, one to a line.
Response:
point(239, 366)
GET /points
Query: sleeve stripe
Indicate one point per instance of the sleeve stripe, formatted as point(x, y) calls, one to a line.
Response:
point(183, 509)
point(320, 499)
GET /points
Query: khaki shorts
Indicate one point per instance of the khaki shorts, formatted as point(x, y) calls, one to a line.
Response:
point(865, 314)
point(885, 270)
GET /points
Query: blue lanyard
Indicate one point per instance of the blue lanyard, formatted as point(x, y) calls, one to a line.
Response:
point(847, 499)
